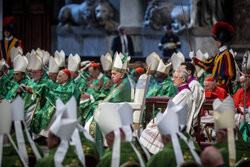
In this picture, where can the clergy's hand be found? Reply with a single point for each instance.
(28, 89)
(153, 125)
(85, 96)
(19, 90)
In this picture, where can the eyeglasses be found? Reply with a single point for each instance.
(176, 77)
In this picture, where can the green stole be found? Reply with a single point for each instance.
(12, 93)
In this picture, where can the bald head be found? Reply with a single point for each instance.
(211, 157)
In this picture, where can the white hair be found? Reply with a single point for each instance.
(183, 73)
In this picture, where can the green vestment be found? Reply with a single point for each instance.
(43, 115)
(98, 89)
(12, 93)
(10, 157)
(90, 150)
(127, 154)
(166, 157)
(6, 83)
(70, 159)
(166, 88)
(120, 93)
(81, 84)
(242, 151)
(152, 89)
(30, 152)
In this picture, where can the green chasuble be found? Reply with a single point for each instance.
(166, 88)
(99, 89)
(166, 157)
(152, 89)
(81, 83)
(120, 93)
(6, 83)
(31, 155)
(12, 93)
(10, 157)
(42, 115)
(242, 151)
(38, 88)
(70, 159)
(90, 151)
(84, 74)
(244, 130)
(127, 154)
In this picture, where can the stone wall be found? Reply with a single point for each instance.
(94, 42)
(241, 23)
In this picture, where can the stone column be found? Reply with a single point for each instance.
(131, 13)
(1, 19)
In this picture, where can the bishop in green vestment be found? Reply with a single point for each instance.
(20, 79)
(241, 148)
(64, 91)
(6, 77)
(121, 92)
(10, 157)
(166, 157)
(97, 89)
(70, 159)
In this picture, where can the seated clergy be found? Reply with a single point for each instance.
(6, 79)
(239, 95)
(106, 62)
(115, 122)
(137, 73)
(121, 92)
(43, 116)
(177, 148)
(36, 87)
(232, 150)
(196, 88)
(20, 65)
(212, 91)
(239, 103)
(150, 138)
(73, 66)
(61, 153)
(53, 69)
(152, 61)
(165, 87)
(97, 89)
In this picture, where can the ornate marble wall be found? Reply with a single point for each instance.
(200, 15)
